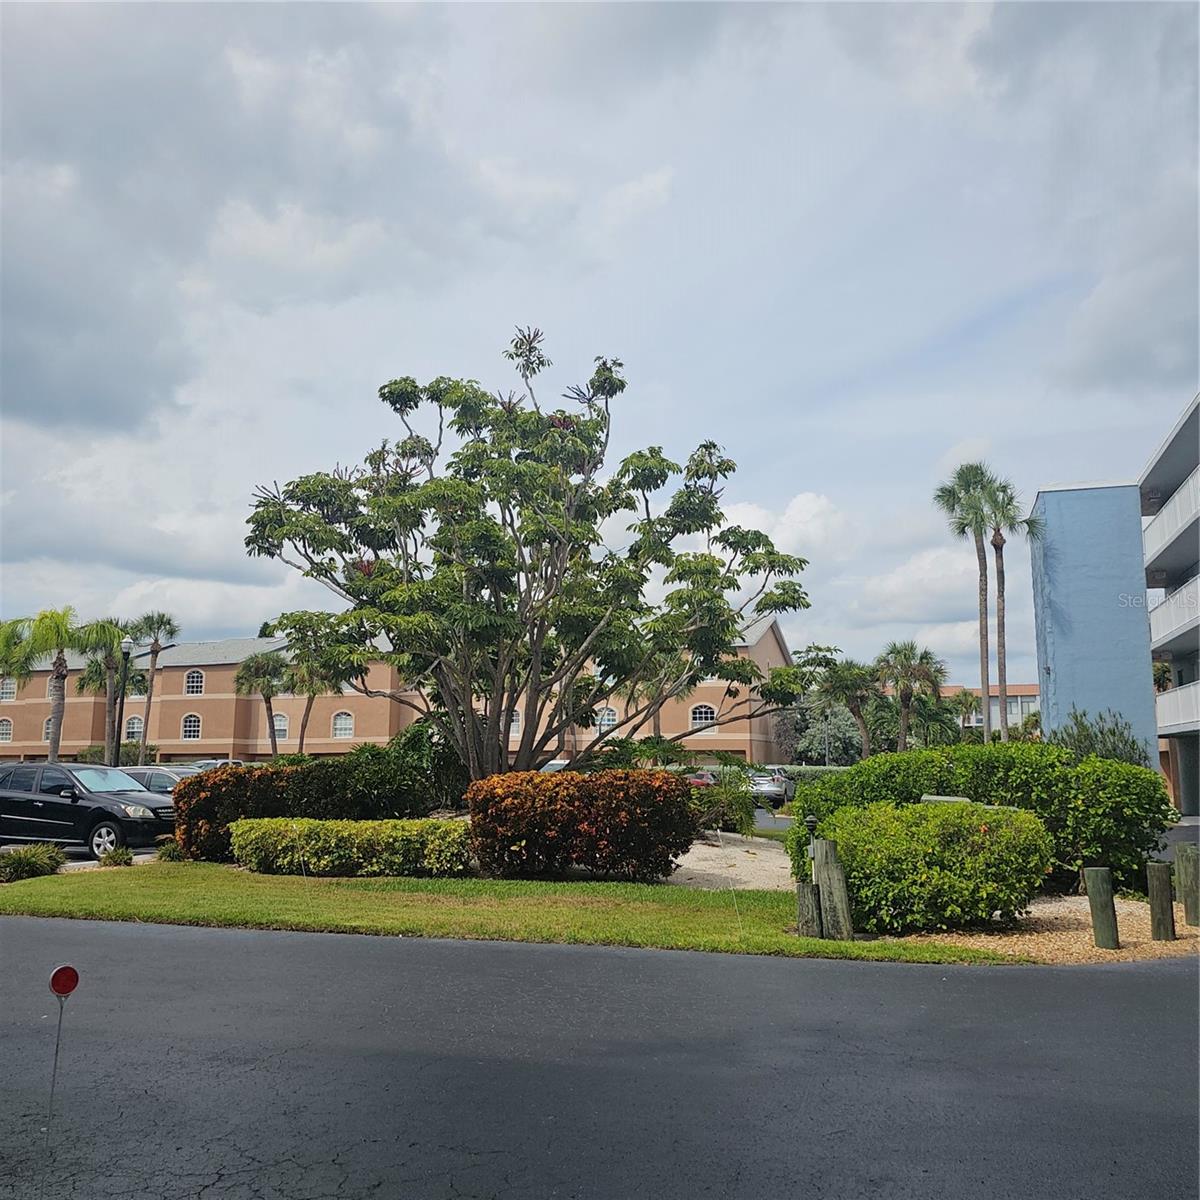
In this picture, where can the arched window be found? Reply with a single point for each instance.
(193, 683)
(606, 718)
(189, 729)
(8, 689)
(514, 726)
(133, 729)
(281, 727)
(343, 725)
(5, 730)
(46, 730)
(703, 714)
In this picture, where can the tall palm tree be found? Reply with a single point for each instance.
(263, 674)
(102, 640)
(934, 721)
(311, 677)
(51, 634)
(853, 685)
(16, 659)
(1004, 513)
(157, 628)
(965, 705)
(909, 670)
(963, 499)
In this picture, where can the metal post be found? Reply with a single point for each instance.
(126, 647)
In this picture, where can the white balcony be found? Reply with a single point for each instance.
(1170, 539)
(1178, 709)
(1175, 623)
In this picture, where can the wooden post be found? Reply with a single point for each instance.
(808, 909)
(1098, 881)
(1187, 881)
(1162, 910)
(835, 899)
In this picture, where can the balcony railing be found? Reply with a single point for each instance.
(1176, 613)
(1179, 709)
(1173, 518)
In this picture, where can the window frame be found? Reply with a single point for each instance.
(46, 730)
(603, 725)
(187, 682)
(183, 737)
(333, 733)
(281, 735)
(6, 727)
(141, 728)
(693, 723)
(7, 685)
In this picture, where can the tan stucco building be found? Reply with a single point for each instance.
(197, 714)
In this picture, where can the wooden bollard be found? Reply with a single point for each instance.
(808, 909)
(1098, 881)
(835, 899)
(1162, 908)
(1187, 881)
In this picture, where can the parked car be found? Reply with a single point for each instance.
(555, 764)
(162, 778)
(701, 778)
(203, 764)
(77, 804)
(772, 787)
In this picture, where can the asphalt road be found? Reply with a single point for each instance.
(227, 1064)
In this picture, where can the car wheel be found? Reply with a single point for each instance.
(108, 835)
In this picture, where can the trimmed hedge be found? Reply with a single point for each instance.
(407, 778)
(1098, 812)
(626, 823)
(300, 846)
(934, 866)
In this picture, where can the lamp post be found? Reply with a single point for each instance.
(126, 649)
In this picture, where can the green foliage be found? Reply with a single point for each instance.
(630, 824)
(301, 846)
(728, 804)
(1098, 812)
(934, 866)
(828, 727)
(169, 850)
(413, 775)
(118, 856)
(1109, 735)
(804, 773)
(128, 755)
(28, 862)
(474, 565)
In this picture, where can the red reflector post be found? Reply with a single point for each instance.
(64, 980)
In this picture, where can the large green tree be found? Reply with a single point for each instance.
(472, 556)
(909, 670)
(1005, 516)
(263, 674)
(964, 500)
(852, 685)
(158, 630)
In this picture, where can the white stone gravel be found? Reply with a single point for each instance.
(727, 860)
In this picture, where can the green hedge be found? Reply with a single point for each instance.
(299, 846)
(409, 777)
(28, 862)
(1098, 812)
(934, 866)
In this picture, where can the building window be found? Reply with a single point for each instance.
(193, 683)
(343, 725)
(5, 730)
(281, 727)
(190, 728)
(133, 729)
(703, 714)
(514, 725)
(46, 730)
(8, 689)
(606, 718)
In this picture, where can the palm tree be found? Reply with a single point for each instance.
(965, 704)
(16, 660)
(102, 640)
(1161, 671)
(933, 720)
(311, 677)
(909, 671)
(1003, 508)
(962, 499)
(851, 684)
(98, 679)
(156, 628)
(51, 634)
(263, 674)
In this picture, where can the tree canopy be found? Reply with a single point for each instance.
(515, 581)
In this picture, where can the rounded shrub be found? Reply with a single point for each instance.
(118, 856)
(630, 823)
(28, 862)
(936, 866)
(881, 779)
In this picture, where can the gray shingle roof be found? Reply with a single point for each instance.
(213, 654)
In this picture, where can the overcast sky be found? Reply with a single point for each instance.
(855, 245)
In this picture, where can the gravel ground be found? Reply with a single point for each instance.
(734, 862)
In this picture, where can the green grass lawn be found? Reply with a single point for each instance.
(616, 914)
(773, 835)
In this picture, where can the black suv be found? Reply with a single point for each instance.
(74, 804)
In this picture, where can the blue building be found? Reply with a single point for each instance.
(1089, 597)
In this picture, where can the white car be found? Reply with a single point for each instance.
(772, 787)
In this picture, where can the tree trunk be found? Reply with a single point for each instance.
(656, 722)
(308, 704)
(905, 710)
(58, 701)
(863, 732)
(112, 738)
(154, 649)
(271, 726)
(1001, 648)
(985, 695)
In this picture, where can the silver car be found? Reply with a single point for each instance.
(772, 788)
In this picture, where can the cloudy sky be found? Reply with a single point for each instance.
(855, 245)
